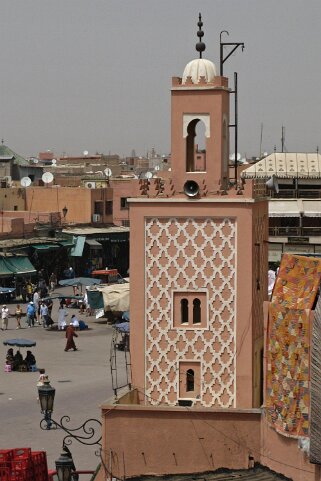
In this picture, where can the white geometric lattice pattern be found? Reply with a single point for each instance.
(190, 254)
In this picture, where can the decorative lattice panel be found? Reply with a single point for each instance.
(190, 254)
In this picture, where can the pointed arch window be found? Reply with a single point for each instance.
(190, 309)
(190, 380)
(196, 151)
(196, 311)
(184, 311)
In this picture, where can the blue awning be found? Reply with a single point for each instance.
(78, 248)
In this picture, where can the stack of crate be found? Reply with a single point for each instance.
(21, 464)
(5, 464)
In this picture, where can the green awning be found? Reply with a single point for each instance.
(66, 243)
(4, 269)
(15, 265)
(45, 247)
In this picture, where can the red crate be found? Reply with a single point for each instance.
(6, 456)
(22, 453)
(22, 464)
(18, 474)
(4, 474)
(39, 458)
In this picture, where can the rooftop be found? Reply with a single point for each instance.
(286, 165)
(95, 230)
(258, 473)
(8, 154)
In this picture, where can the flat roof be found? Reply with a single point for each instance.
(96, 230)
(258, 473)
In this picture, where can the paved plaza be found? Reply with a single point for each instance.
(82, 380)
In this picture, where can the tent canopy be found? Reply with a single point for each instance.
(80, 281)
(19, 342)
(15, 265)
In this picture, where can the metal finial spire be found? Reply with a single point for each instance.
(200, 46)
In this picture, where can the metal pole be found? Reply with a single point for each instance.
(236, 125)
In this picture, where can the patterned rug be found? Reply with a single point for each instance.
(288, 345)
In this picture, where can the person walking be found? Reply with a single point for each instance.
(36, 298)
(4, 317)
(62, 314)
(52, 281)
(18, 316)
(70, 334)
(30, 314)
(44, 314)
(29, 290)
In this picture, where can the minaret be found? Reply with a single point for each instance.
(200, 97)
(198, 263)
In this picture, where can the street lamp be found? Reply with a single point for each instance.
(64, 211)
(88, 433)
(64, 467)
(46, 394)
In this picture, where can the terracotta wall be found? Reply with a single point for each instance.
(15, 227)
(140, 441)
(79, 201)
(122, 188)
(242, 211)
(11, 198)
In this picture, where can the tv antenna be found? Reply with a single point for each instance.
(25, 182)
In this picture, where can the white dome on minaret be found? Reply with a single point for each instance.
(200, 67)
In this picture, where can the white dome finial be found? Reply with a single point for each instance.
(199, 67)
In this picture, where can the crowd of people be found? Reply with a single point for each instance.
(17, 362)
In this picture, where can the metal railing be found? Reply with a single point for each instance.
(294, 231)
(297, 194)
(89, 475)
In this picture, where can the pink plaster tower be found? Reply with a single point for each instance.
(198, 262)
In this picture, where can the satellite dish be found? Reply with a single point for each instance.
(25, 182)
(108, 172)
(54, 161)
(157, 167)
(238, 156)
(265, 154)
(148, 175)
(47, 177)
(85, 152)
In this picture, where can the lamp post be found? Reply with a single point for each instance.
(84, 434)
(46, 394)
(64, 467)
(64, 212)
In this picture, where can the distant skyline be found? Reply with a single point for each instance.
(95, 75)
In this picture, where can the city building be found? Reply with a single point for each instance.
(13, 167)
(220, 377)
(198, 281)
(295, 206)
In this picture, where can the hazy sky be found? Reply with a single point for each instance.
(96, 74)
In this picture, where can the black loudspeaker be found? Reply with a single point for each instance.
(191, 188)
